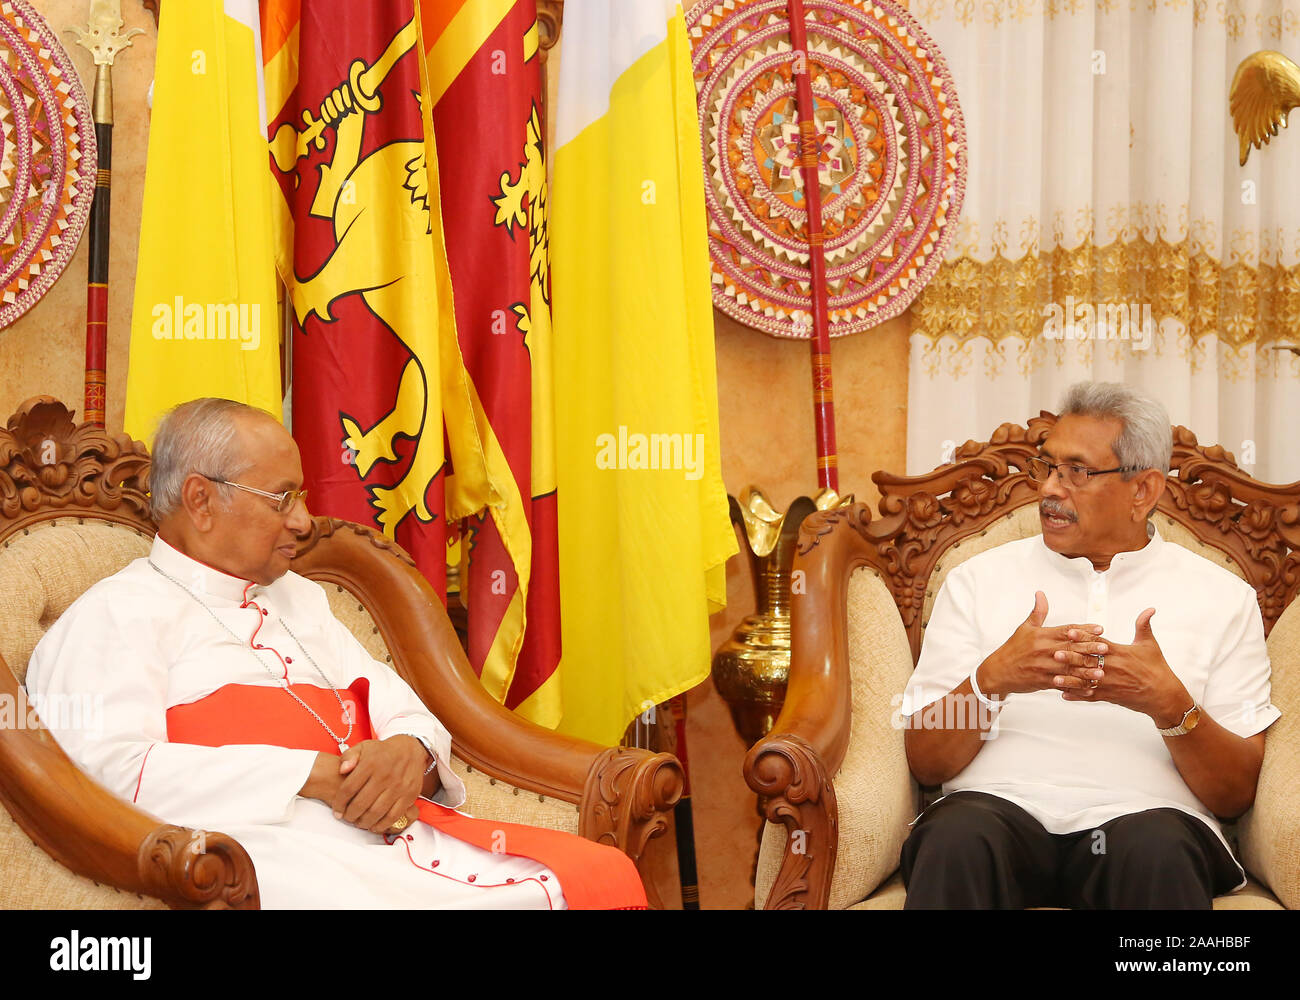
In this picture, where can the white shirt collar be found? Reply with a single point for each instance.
(198, 576)
(1127, 561)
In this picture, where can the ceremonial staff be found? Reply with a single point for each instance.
(828, 474)
(104, 39)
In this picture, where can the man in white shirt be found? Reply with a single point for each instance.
(233, 700)
(1090, 699)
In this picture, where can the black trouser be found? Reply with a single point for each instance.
(976, 851)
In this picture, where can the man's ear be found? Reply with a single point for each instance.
(200, 500)
(1150, 485)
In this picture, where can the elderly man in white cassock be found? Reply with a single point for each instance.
(233, 700)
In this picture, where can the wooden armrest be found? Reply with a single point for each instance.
(791, 768)
(94, 833)
(624, 794)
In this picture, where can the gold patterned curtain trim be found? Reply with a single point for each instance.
(1231, 14)
(1127, 223)
(951, 360)
(1239, 303)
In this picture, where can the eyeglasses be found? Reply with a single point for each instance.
(284, 502)
(1074, 476)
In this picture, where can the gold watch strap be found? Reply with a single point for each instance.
(1182, 729)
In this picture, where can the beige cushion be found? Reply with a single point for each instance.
(889, 896)
(44, 570)
(1269, 834)
(873, 788)
(1253, 896)
(486, 798)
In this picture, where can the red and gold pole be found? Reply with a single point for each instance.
(828, 475)
(104, 38)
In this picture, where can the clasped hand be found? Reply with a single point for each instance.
(1075, 660)
(374, 784)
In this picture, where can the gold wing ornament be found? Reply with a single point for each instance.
(1264, 89)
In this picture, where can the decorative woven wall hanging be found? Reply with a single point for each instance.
(47, 159)
(892, 159)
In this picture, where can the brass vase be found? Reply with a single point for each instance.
(751, 668)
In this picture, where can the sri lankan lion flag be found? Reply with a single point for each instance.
(356, 227)
(644, 533)
(485, 90)
(204, 319)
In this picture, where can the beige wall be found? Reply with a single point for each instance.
(764, 398)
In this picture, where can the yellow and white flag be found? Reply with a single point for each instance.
(205, 321)
(644, 530)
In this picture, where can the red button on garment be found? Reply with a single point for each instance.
(473, 877)
(543, 878)
(264, 611)
(510, 881)
(288, 659)
(433, 864)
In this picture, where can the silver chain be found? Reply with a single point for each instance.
(284, 681)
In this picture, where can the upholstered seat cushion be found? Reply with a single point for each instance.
(44, 570)
(1269, 834)
(873, 788)
(1252, 896)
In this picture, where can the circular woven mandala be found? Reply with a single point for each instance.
(892, 161)
(47, 159)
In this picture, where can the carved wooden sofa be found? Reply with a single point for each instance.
(74, 509)
(832, 775)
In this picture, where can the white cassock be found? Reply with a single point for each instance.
(145, 652)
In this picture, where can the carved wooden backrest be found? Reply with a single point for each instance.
(1254, 524)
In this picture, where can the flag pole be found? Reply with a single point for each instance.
(104, 38)
(823, 397)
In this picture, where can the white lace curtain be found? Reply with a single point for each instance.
(1107, 231)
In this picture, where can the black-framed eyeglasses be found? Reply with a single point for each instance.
(284, 502)
(1074, 476)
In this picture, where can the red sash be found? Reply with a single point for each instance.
(255, 713)
(593, 876)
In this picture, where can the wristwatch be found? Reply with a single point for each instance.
(1190, 718)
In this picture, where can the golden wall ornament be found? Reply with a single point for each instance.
(750, 668)
(1264, 89)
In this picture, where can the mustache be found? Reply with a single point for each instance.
(1054, 508)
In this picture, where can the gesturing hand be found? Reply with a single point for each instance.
(1138, 677)
(1062, 657)
(381, 781)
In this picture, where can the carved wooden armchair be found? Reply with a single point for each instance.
(832, 775)
(73, 509)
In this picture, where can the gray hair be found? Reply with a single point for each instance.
(198, 436)
(1145, 439)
